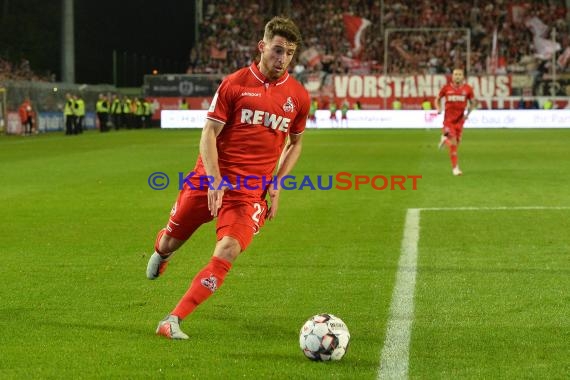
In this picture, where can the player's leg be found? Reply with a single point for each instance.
(164, 248)
(235, 229)
(449, 138)
(443, 140)
(452, 137)
(210, 278)
(456, 171)
(237, 222)
(458, 135)
(188, 213)
(204, 284)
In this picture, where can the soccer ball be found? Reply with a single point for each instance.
(324, 337)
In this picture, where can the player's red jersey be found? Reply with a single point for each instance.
(258, 116)
(456, 98)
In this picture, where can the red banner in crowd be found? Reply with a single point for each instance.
(354, 28)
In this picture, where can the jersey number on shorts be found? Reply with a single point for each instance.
(258, 210)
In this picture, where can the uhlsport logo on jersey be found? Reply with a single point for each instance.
(288, 106)
(258, 117)
(247, 93)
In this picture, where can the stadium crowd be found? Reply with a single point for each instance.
(21, 72)
(227, 32)
(228, 29)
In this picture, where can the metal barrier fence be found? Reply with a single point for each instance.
(50, 97)
(48, 100)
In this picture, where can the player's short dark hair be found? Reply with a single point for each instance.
(284, 27)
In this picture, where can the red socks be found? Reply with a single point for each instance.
(453, 155)
(206, 282)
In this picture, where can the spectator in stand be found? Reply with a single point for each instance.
(228, 30)
(21, 71)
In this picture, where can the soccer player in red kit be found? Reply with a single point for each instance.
(251, 139)
(457, 96)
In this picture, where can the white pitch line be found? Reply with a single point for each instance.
(394, 361)
(395, 354)
(507, 208)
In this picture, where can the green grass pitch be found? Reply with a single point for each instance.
(492, 291)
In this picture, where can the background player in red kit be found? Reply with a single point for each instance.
(253, 126)
(457, 94)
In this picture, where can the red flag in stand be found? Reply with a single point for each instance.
(354, 27)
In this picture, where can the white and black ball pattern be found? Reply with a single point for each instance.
(324, 337)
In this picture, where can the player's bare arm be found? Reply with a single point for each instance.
(209, 153)
(287, 162)
(437, 104)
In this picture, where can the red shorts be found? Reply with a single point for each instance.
(239, 217)
(453, 131)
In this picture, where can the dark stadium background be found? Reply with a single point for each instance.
(145, 35)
